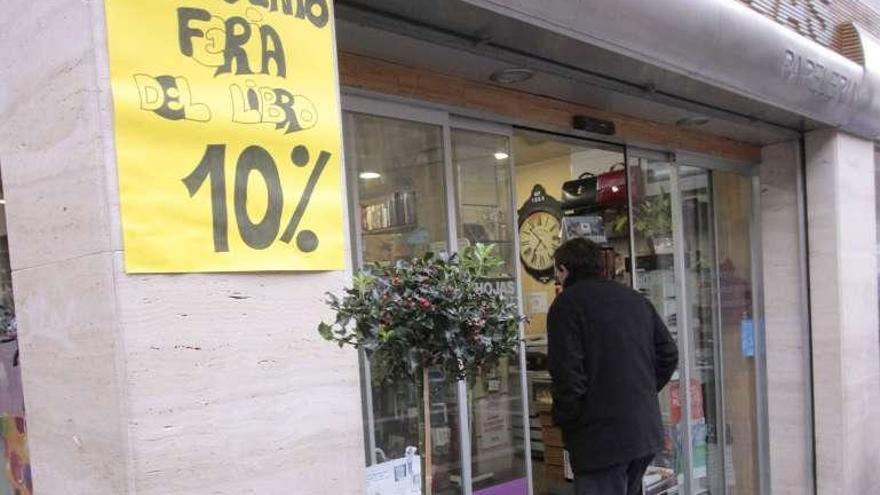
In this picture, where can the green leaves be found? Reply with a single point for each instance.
(653, 216)
(325, 330)
(427, 312)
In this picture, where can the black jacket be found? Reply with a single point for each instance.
(609, 356)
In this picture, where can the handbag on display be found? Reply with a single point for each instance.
(611, 186)
(580, 192)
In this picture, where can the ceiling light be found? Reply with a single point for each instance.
(501, 155)
(512, 75)
(692, 121)
(370, 175)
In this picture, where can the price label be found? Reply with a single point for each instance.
(228, 134)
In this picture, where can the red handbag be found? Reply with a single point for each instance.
(611, 186)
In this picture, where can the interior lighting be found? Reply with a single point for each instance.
(370, 175)
(501, 155)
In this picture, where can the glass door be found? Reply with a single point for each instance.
(693, 229)
(700, 308)
(655, 276)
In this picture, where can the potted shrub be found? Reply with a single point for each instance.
(426, 313)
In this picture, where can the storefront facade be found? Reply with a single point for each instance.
(741, 149)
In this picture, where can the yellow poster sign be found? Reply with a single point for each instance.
(228, 134)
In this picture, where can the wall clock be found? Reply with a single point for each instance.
(540, 233)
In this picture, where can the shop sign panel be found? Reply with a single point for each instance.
(228, 134)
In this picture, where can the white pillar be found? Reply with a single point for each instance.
(843, 295)
(192, 384)
(788, 375)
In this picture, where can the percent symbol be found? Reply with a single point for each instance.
(306, 240)
(260, 234)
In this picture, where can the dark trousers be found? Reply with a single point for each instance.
(622, 479)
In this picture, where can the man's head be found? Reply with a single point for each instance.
(578, 259)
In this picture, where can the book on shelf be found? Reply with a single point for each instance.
(397, 210)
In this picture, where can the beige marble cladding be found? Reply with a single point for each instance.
(230, 384)
(153, 384)
(789, 410)
(842, 233)
(69, 354)
(54, 182)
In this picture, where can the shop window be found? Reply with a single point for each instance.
(400, 210)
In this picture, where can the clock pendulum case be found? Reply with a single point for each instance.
(540, 233)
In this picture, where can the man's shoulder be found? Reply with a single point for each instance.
(597, 291)
(593, 286)
(564, 301)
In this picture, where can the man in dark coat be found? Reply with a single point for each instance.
(609, 356)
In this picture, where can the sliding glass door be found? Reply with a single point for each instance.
(693, 231)
(655, 276)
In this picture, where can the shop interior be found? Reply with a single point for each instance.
(523, 192)
(714, 257)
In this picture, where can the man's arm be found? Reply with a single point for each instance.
(566, 363)
(665, 351)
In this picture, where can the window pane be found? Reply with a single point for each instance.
(701, 304)
(716, 222)
(651, 215)
(733, 211)
(400, 207)
(398, 166)
(482, 168)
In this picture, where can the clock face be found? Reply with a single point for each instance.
(539, 238)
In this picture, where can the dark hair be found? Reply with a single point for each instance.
(582, 258)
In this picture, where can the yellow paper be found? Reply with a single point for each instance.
(241, 96)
